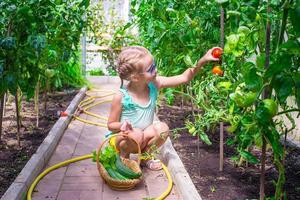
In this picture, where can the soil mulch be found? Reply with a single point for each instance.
(234, 183)
(12, 157)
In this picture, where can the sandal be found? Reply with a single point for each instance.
(154, 165)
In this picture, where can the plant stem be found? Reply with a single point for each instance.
(287, 111)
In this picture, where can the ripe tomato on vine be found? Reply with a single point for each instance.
(217, 70)
(217, 52)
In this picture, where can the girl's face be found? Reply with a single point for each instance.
(149, 70)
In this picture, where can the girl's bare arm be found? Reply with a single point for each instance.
(187, 75)
(114, 123)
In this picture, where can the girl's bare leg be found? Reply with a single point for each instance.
(150, 139)
(155, 136)
(127, 145)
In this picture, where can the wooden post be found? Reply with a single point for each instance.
(221, 146)
(262, 173)
(4, 103)
(18, 118)
(1, 113)
(221, 123)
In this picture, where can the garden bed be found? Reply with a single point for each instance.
(14, 158)
(234, 182)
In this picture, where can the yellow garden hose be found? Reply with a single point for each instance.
(84, 106)
(54, 167)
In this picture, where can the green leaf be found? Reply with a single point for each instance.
(205, 138)
(282, 63)
(94, 156)
(283, 86)
(221, 1)
(260, 61)
(233, 13)
(253, 81)
(248, 156)
(169, 94)
(291, 47)
(224, 84)
(273, 138)
(230, 141)
(296, 78)
(295, 18)
(188, 61)
(85, 3)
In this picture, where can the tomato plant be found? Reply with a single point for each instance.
(39, 46)
(262, 65)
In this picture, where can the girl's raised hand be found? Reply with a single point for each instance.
(209, 55)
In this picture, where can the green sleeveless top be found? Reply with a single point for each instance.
(139, 116)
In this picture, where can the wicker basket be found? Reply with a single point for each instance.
(133, 165)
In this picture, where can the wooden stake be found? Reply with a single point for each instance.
(1, 113)
(221, 146)
(221, 164)
(36, 102)
(262, 173)
(18, 118)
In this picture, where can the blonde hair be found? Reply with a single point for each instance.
(129, 61)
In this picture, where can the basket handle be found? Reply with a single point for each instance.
(115, 135)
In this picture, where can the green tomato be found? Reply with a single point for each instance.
(233, 40)
(225, 84)
(249, 99)
(271, 106)
(237, 98)
(242, 99)
(257, 17)
(265, 110)
(243, 29)
(49, 73)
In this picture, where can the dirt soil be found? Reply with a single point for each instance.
(234, 183)
(12, 157)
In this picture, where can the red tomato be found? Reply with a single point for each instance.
(217, 52)
(217, 70)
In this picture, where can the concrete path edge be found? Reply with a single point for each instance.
(181, 178)
(37, 162)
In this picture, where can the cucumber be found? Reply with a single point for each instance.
(115, 174)
(120, 176)
(112, 173)
(124, 170)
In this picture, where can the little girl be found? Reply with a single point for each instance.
(133, 106)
